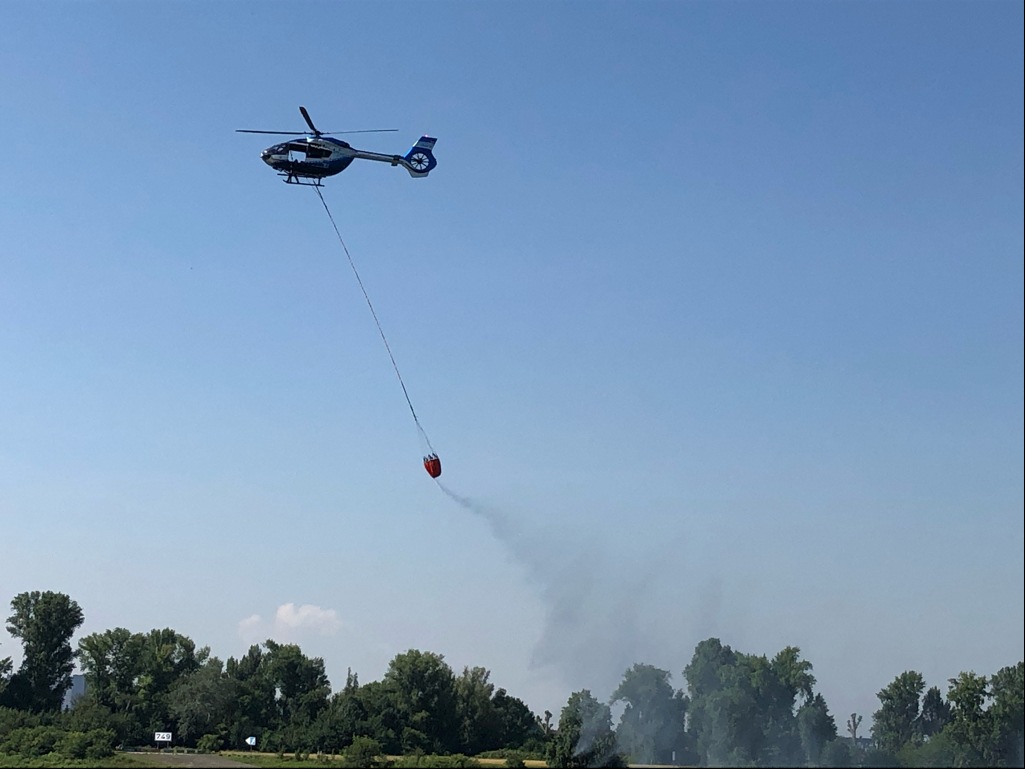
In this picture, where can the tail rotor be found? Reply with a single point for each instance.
(420, 161)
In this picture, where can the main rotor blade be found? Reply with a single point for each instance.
(316, 132)
(306, 117)
(278, 133)
(364, 131)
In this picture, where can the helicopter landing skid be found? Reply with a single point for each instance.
(302, 181)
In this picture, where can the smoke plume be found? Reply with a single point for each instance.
(594, 600)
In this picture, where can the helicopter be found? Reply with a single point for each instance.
(308, 160)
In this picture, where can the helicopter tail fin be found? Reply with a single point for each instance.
(420, 161)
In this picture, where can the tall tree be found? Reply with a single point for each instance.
(705, 675)
(200, 702)
(585, 736)
(970, 726)
(896, 723)
(423, 687)
(651, 728)
(742, 706)
(475, 712)
(794, 673)
(301, 682)
(45, 623)
(782, 685)
(1007, 713)
(344, 718)
(165, 657)
(704, 672)
(935, 712)
(737, 729)
(255, 709)
(817, 729)
(112, 663)
(385, 719)
(518, 727)
(278, 695)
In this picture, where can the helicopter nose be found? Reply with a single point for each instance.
(266, 155)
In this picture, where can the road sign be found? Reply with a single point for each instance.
(251, 741)
(161, 737)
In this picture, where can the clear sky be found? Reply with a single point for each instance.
(713, 311)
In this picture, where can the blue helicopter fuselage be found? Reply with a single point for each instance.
(310, 157)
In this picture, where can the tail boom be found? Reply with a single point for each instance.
(419, 161)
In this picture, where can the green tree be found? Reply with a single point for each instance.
(479, 728)
(87, 715)
(165, 657)
(651, 728)
(935, 712)
(735, 732)
(255, 709)
(1007, 715)
(518, 727)
(838, 753)
(112, 663)
(896, 723)
(423, 687)
(742, 707)
(200, 702)
(279, 697)
(817, 729)
(384, 719)
(776, 684)
(343, 719)
(301, 682)
(45, 623)
(704, 672)
(794, 673)
(970, 726)
(938, 750)
(585, 736)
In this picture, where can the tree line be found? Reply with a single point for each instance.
(737, 710)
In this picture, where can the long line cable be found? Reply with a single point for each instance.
(380, 330)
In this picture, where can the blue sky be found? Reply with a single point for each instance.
(713, 311)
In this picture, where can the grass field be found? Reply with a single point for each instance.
(272, 761)
(117, 761)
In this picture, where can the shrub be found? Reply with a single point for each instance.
(73, 744)
(432, 761)
(209, 743)
(11, 719)
(513, 754)
(31, 741)
(100, 743)
(364, 751)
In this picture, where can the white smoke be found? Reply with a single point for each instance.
(594, 602)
